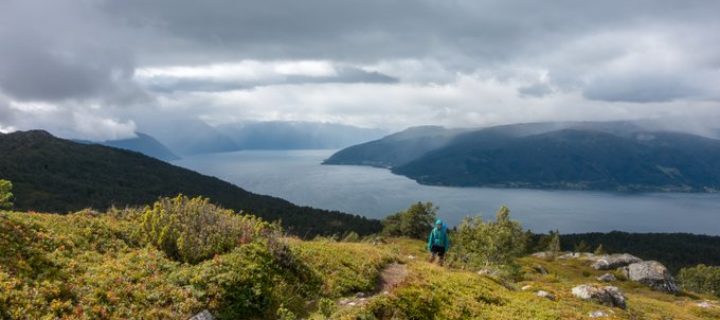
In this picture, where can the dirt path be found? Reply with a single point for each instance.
(392, 275)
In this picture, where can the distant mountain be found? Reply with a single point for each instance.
(286, 135)
(189, 136)
(56, 175)
(602, 156)
(395, 149)
(144, 144)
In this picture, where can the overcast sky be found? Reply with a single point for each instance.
(100, 69)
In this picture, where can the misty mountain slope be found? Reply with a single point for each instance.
(56, 175)
(285, 135)
(400, 148)
(189, 136)
(395, 149)
(144, 144)
(573, 159)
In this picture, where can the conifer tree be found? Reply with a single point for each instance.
(554, 245)
(600, 250)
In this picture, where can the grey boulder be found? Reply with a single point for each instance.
(653, 274)
(606, 277)
(609, 296)
(614, 261)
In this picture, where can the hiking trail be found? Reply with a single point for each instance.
(392, 275)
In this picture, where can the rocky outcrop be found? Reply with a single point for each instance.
(653, 274)
(614, 261)
(609, 296)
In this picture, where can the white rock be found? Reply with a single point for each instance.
(598, 314)
(613, 261)
(545, 294)
(609, 296)
(705, 304)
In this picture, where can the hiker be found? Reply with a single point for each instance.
(438, 242)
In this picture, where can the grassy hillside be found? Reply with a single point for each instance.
(97, 266)
(55, 175)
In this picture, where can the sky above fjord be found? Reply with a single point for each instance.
(101, 69)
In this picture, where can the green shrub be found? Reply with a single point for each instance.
(251, 282)
(6, 195)
(415, 222)
(193, 230)
(701, 278)
(351, 236)
(482, 244)
(326, 307)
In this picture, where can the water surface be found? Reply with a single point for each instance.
(299, 177)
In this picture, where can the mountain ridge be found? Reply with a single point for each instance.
(617, 156)
(56, 175)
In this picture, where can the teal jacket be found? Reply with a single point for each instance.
(439, 237)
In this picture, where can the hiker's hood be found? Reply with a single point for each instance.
(439, 222)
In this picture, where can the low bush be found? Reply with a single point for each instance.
(193, 230)
(701, 278)
(480, 244)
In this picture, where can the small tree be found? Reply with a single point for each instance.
(554, 245)
(581, 247)
(6, 195)
(600, 250)
(415, 222)
(482, 244)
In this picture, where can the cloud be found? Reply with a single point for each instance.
(535, 90)
(376, 63)
(250, 74)
(63, 50)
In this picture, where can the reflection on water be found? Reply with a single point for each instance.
(299, 177)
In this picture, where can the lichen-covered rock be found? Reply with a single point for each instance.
(653, 274)
(609, 296)
(613, 261)
(204, 315)
(606, 277)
